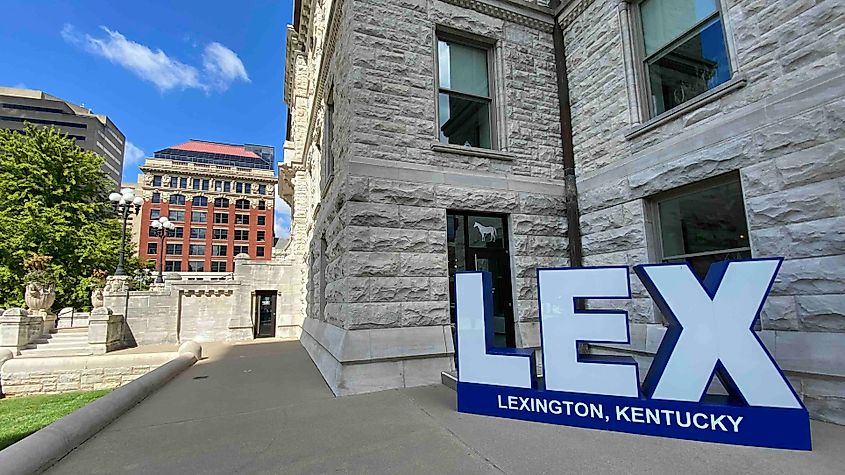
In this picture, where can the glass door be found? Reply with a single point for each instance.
(265, 322)
(478, 242)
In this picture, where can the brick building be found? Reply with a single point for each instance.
(219, 196)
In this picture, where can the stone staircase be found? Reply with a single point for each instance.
(65, 342)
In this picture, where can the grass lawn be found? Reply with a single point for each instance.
(21, 416)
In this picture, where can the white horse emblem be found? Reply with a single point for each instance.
(486, 231)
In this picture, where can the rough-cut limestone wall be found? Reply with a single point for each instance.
(783, 132)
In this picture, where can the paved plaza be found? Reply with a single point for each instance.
(264, 408)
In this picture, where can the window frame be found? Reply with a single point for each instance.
(642, 83)
(450, 35)
(656, 253)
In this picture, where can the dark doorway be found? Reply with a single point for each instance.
(479, 242)
(265, 314)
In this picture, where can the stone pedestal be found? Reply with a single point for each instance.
(104, 330)
(14, 330)
(46, 320)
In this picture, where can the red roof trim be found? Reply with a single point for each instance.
(214, 147)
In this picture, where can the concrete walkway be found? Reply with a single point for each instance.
(263, 408)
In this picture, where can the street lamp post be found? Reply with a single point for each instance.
(123, 203)
(163, 229)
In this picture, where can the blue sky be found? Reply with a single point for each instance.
(163, 71)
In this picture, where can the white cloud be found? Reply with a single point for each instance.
(281, 219)
(221, 66)
(132, 157)
(132, 154)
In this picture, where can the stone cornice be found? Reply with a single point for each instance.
(525, 14)
(211, 171)
(571, 11)
(294, 49)
(323, 71)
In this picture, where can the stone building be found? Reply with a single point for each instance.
(429, 136)
(718, 132)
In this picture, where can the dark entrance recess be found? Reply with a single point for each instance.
(479, 242)
(265, 314)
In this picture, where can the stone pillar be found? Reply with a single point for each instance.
(104, 330)
(14, 330)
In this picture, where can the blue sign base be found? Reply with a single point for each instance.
(722, 423)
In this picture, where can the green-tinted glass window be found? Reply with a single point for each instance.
(685, 51)
(464, 100)
(705, 226)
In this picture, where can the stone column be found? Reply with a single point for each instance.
(104, 330)
(14, 330)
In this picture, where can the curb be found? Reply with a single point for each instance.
(44, 448)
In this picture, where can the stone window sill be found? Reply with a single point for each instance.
(472, 151)
(738, 82)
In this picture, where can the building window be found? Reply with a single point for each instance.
(183, 183)
(241, 235)
(465, 105)
(196, 266)
(247, 188)
(174, 182)
(156, 198)
(684, 50)
(152, 248)
(221, 218)
(259, 236)
(173, 266)
(174, 249)
(155, 213)
(689, 230)
(227, 186)
(262, 220)
(262, 205)
(151, 232)
(259, 251)
(241, 250)
(176, 216)
(239, 187)
(198, 233)
(262, 189)
(196, 184)
(328, 137)
(179, 232)
(196, 249)
(199, 201)
(156, 180)
(324, 246)
(218, 266)
(220, 234)
(242, 204)
(178, 200)
(241, 219)
(218, 185)
(221, 203)
(219, 250)
(199, 217)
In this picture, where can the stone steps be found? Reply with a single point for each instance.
(47, 353)
(65, 342)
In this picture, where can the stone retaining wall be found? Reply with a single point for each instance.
(27, 376)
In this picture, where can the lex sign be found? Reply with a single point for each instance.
(710, 333)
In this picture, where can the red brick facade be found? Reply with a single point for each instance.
(216, 195)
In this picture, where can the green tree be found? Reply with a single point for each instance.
(53, 201)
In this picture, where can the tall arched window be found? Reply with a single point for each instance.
(221, 203)
(242, 204)
(199, 201)
(178, 200)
